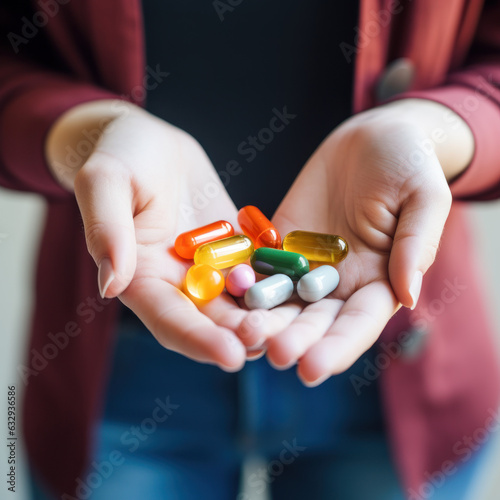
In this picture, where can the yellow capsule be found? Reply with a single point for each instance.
(225, 253)
(317, 247)
(204, 282)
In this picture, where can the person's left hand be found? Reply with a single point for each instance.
(371, 184)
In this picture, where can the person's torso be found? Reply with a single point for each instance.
(259, 85)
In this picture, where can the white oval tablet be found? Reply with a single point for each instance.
(269, 292)
(318, 283)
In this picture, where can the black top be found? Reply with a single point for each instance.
(259, 84)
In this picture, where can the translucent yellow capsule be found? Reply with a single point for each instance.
(204, 282)
(317, 247)
(225, 253)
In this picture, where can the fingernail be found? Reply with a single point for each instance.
(257, 345)
(283, 368)
(415, 287)
(231, 369)
(235, 350)
(314, 383)
(286, 366)
(105, 276)
(255, 355)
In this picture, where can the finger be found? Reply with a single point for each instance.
(179, 326)
(224, 311)
(357, 327)
(104, 196)
(420, 225)
(284, 349)
(260, 324)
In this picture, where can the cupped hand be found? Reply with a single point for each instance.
(371, 183)
(144, 183)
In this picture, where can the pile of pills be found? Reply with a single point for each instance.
(215, 247)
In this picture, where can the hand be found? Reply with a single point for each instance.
(145, 182)
(365, 184)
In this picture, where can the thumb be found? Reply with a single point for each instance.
(104, 195)
(416, 241)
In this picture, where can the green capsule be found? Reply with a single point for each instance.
(273, 261)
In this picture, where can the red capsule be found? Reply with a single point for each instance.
(187, 243)
(258, 228)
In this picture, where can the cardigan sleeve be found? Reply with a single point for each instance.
(473, 92)
(32, 97)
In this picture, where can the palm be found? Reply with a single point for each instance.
(168, 200)
(155, 292)
(160, 272)
(340, 192)
(150, 182)
(146, 182)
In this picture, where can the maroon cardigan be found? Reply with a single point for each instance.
(94, 49)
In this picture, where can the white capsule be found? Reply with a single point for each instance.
(269, 292)
(318, 283)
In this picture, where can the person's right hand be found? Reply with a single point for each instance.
(144, 183)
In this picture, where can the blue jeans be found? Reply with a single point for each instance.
(176, 429)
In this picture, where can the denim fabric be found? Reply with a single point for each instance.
(176, 429)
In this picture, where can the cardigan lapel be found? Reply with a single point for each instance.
(415, 30)
(466, 31)
(430, 41)
(375, 21)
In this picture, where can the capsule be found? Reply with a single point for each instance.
(317, 247)
(318, 283)
(269, 292)
(258, 228)
(204, 282)
(239, 280)
(225, 253)
(187, 243)
(272, 261)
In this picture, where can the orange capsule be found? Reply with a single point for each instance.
(204, 282)
(258, 228)
(187, 243)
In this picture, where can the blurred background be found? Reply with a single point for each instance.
(21, 220)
